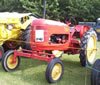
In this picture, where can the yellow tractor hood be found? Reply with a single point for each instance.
(12, 17)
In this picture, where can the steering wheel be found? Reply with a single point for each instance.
(70, 21)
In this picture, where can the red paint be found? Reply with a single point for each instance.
(0, 53)
(33, 54)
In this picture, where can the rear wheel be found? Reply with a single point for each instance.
(26, 38)
(88, 48)
(54, 71)
(7, 63)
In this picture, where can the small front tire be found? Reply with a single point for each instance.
(7, 61)
(54, 71)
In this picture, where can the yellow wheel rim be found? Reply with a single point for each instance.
(57, 53)
(56, 72)
(91, 49)
(9, 62)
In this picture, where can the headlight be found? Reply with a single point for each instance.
(39, 35)
(9, 27)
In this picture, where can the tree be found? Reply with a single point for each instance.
(96, 9)
(32, 6)
(10, 6)
(84, 10)
(81, 10)
(36, 7)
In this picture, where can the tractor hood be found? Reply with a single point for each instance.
(51, 22)
(48, 22)
(13, 15)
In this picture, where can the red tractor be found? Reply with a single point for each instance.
(47, 40)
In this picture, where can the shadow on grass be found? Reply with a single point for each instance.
(30, 63)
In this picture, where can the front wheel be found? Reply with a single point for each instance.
(7, 63)
(54, 71)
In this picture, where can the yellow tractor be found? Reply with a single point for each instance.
(11, 27)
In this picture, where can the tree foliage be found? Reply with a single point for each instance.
(84, 10)
(10, 6)
(81, 10)
(36, 7)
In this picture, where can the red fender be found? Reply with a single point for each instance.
(83, 30)
(80, 29)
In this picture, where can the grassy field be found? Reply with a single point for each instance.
(32, 72)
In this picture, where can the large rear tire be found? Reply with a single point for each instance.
(88, 48)
(26, 39)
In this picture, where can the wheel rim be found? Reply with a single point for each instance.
(91, 49)
(9, 62)
(56, 72)
(57, 53)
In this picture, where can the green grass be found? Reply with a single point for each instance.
(32, 72)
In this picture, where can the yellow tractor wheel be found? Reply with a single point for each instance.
(54, 71)
(88, 48)
(7, 63)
